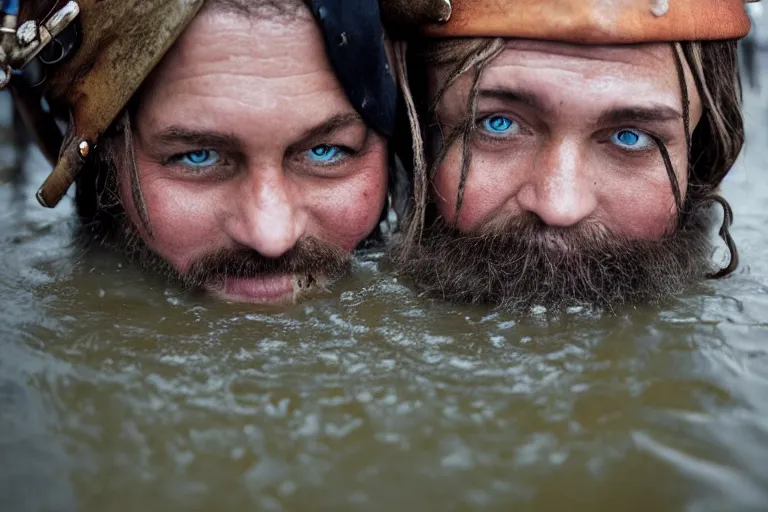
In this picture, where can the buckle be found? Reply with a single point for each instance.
(20, 45)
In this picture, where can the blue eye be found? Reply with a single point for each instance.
(325, 154)
(201, 158)
(631, 139)
(500, 125)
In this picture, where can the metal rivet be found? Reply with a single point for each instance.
(85, 148)
(28, 33)
(41, 199)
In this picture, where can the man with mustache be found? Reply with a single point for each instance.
(572, 150)
(250, 161)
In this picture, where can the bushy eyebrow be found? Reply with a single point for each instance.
(640, 114)
(177, 135)
(523, 96)
(329, 126)
(652, 113)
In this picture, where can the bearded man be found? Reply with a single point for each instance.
(250, 162)
(573, 149)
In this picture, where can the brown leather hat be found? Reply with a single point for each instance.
(596, 21)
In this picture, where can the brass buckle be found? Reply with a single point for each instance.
(20, 45)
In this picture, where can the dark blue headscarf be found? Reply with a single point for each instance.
(354, 40)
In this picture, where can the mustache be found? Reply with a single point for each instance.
(585, 237)
(309, 258)
(520, 262)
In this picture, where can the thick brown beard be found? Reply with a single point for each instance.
(521, 262)
(312, 261)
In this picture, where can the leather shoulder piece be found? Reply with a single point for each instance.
(596, 21)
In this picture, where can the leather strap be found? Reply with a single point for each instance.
(596, 21)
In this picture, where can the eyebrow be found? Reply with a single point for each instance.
(324, 129)
(638, 113)
(649, 114)
(523, 96)
(194, 138)
(331, 125)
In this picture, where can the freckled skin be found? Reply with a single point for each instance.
(561, 168)
(264, 82)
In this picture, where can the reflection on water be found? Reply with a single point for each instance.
(119, 394)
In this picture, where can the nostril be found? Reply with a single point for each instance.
(557, 209)
(269, 235)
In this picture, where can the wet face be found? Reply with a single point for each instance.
(565, 133)
(257, 174)
(567, 198)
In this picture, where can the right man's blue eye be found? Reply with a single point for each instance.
(500, 125)
(631, 140)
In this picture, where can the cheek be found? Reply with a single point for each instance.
(641, 204)
(641, 209)
(182, 216)
(445, 185)
(345, 211)
(487, 189)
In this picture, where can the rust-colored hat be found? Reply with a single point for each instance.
(596, 21)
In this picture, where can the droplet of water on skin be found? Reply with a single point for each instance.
(660, 7)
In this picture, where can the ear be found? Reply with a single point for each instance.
(411, 13)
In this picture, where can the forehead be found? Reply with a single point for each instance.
(223, 39)
(590, 77)
(609, 64)
(244, 67)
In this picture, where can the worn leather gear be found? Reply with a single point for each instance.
(121, 42)
(595, 21)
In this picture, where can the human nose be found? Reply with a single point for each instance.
(269, 218)
(558, 189)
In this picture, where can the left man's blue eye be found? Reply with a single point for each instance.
(325, 154)
(631, 139)
(499, 126)
(201, 158)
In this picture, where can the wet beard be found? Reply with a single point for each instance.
(521, 262)
(312, 263)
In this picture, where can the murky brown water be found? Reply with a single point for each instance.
(117, 394)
